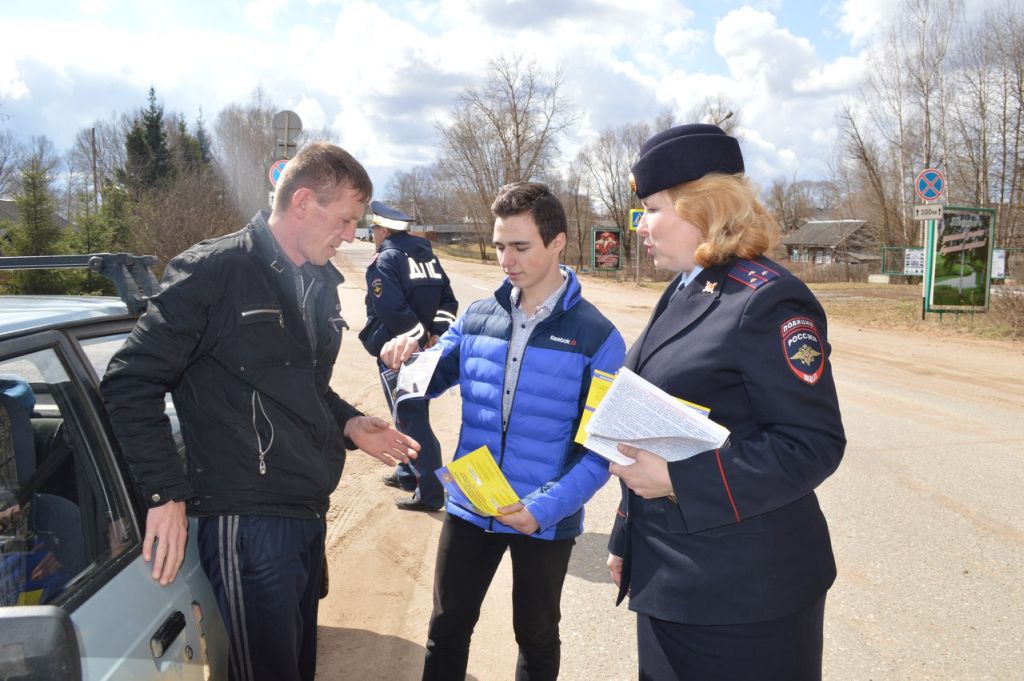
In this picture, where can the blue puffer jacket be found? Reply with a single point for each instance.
(553, 476)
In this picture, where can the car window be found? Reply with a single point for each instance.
(62, 516)
(100, 349)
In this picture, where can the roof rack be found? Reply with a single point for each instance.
(130, 274)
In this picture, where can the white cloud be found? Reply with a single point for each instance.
(760, 53)
(311, 113)
(862, 19)
(264, 14)
(381, 74)
(96, 7)
(841, 75)
(11, 84)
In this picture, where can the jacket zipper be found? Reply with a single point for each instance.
(280, 316)
(263, 451)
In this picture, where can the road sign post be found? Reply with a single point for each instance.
(634, 221)
(929, 185)
(287, 126)
(276, 168)
(929, 211)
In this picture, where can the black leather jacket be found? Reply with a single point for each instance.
(226, 336)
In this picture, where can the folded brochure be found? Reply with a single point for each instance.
(475, 482)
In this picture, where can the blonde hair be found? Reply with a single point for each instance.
(726, 211)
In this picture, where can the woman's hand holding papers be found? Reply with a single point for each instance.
(648, 477)
(518, 518)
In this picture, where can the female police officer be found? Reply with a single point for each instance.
(726, 555)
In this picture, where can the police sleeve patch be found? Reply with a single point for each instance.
(802, 348)
(377, 286)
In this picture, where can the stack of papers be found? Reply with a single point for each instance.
(629, 409)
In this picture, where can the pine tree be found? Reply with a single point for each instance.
(148, 164)
(203, 137)
(37, 231)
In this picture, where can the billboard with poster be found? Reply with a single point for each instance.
(607, 249)
(961, 260)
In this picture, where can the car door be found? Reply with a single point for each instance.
(70, 529)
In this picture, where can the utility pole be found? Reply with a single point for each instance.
(95, 173)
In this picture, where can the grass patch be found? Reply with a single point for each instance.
(899, 306)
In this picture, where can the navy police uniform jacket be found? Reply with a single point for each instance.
(746, 541)
(407, 293)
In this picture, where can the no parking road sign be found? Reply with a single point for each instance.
(930, 184)
(276, 168)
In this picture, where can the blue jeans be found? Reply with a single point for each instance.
(266, 574)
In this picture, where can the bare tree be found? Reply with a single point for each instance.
(420, 193)
(607, 161)
(195, 206)
(718, 110)
(245, 146)
(875, 179)
(504, 131)
(10, 157)
(905, 104)
(791, 202)
(570, 188)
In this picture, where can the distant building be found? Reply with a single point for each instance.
(451, 233)
(8, 212)
(824, 242)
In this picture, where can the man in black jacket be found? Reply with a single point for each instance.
(244, 334)
(408, 295)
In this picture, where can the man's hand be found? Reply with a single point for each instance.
(648, 477)
(380, 440)
(167, 527)
(397, 350)
(615, 567)
(518, 518)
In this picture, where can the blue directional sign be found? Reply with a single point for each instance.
(276, 168)
(930, 184)
(634, 218)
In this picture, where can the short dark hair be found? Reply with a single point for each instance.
(537, 200)
(323, 168)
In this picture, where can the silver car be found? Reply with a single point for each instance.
(76, 599)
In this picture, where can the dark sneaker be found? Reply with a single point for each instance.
(414, 504)
(392, 481)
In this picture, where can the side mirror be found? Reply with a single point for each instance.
(38, 643)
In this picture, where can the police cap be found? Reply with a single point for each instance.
(388, 217)
(682, 154)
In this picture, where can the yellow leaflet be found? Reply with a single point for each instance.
(599, 385)
(483, 483)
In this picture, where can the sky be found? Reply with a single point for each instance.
(380, 74)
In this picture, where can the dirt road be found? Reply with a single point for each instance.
(925, 511)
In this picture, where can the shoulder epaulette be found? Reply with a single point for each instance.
(752, 274)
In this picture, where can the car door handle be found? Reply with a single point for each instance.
(165, 635)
